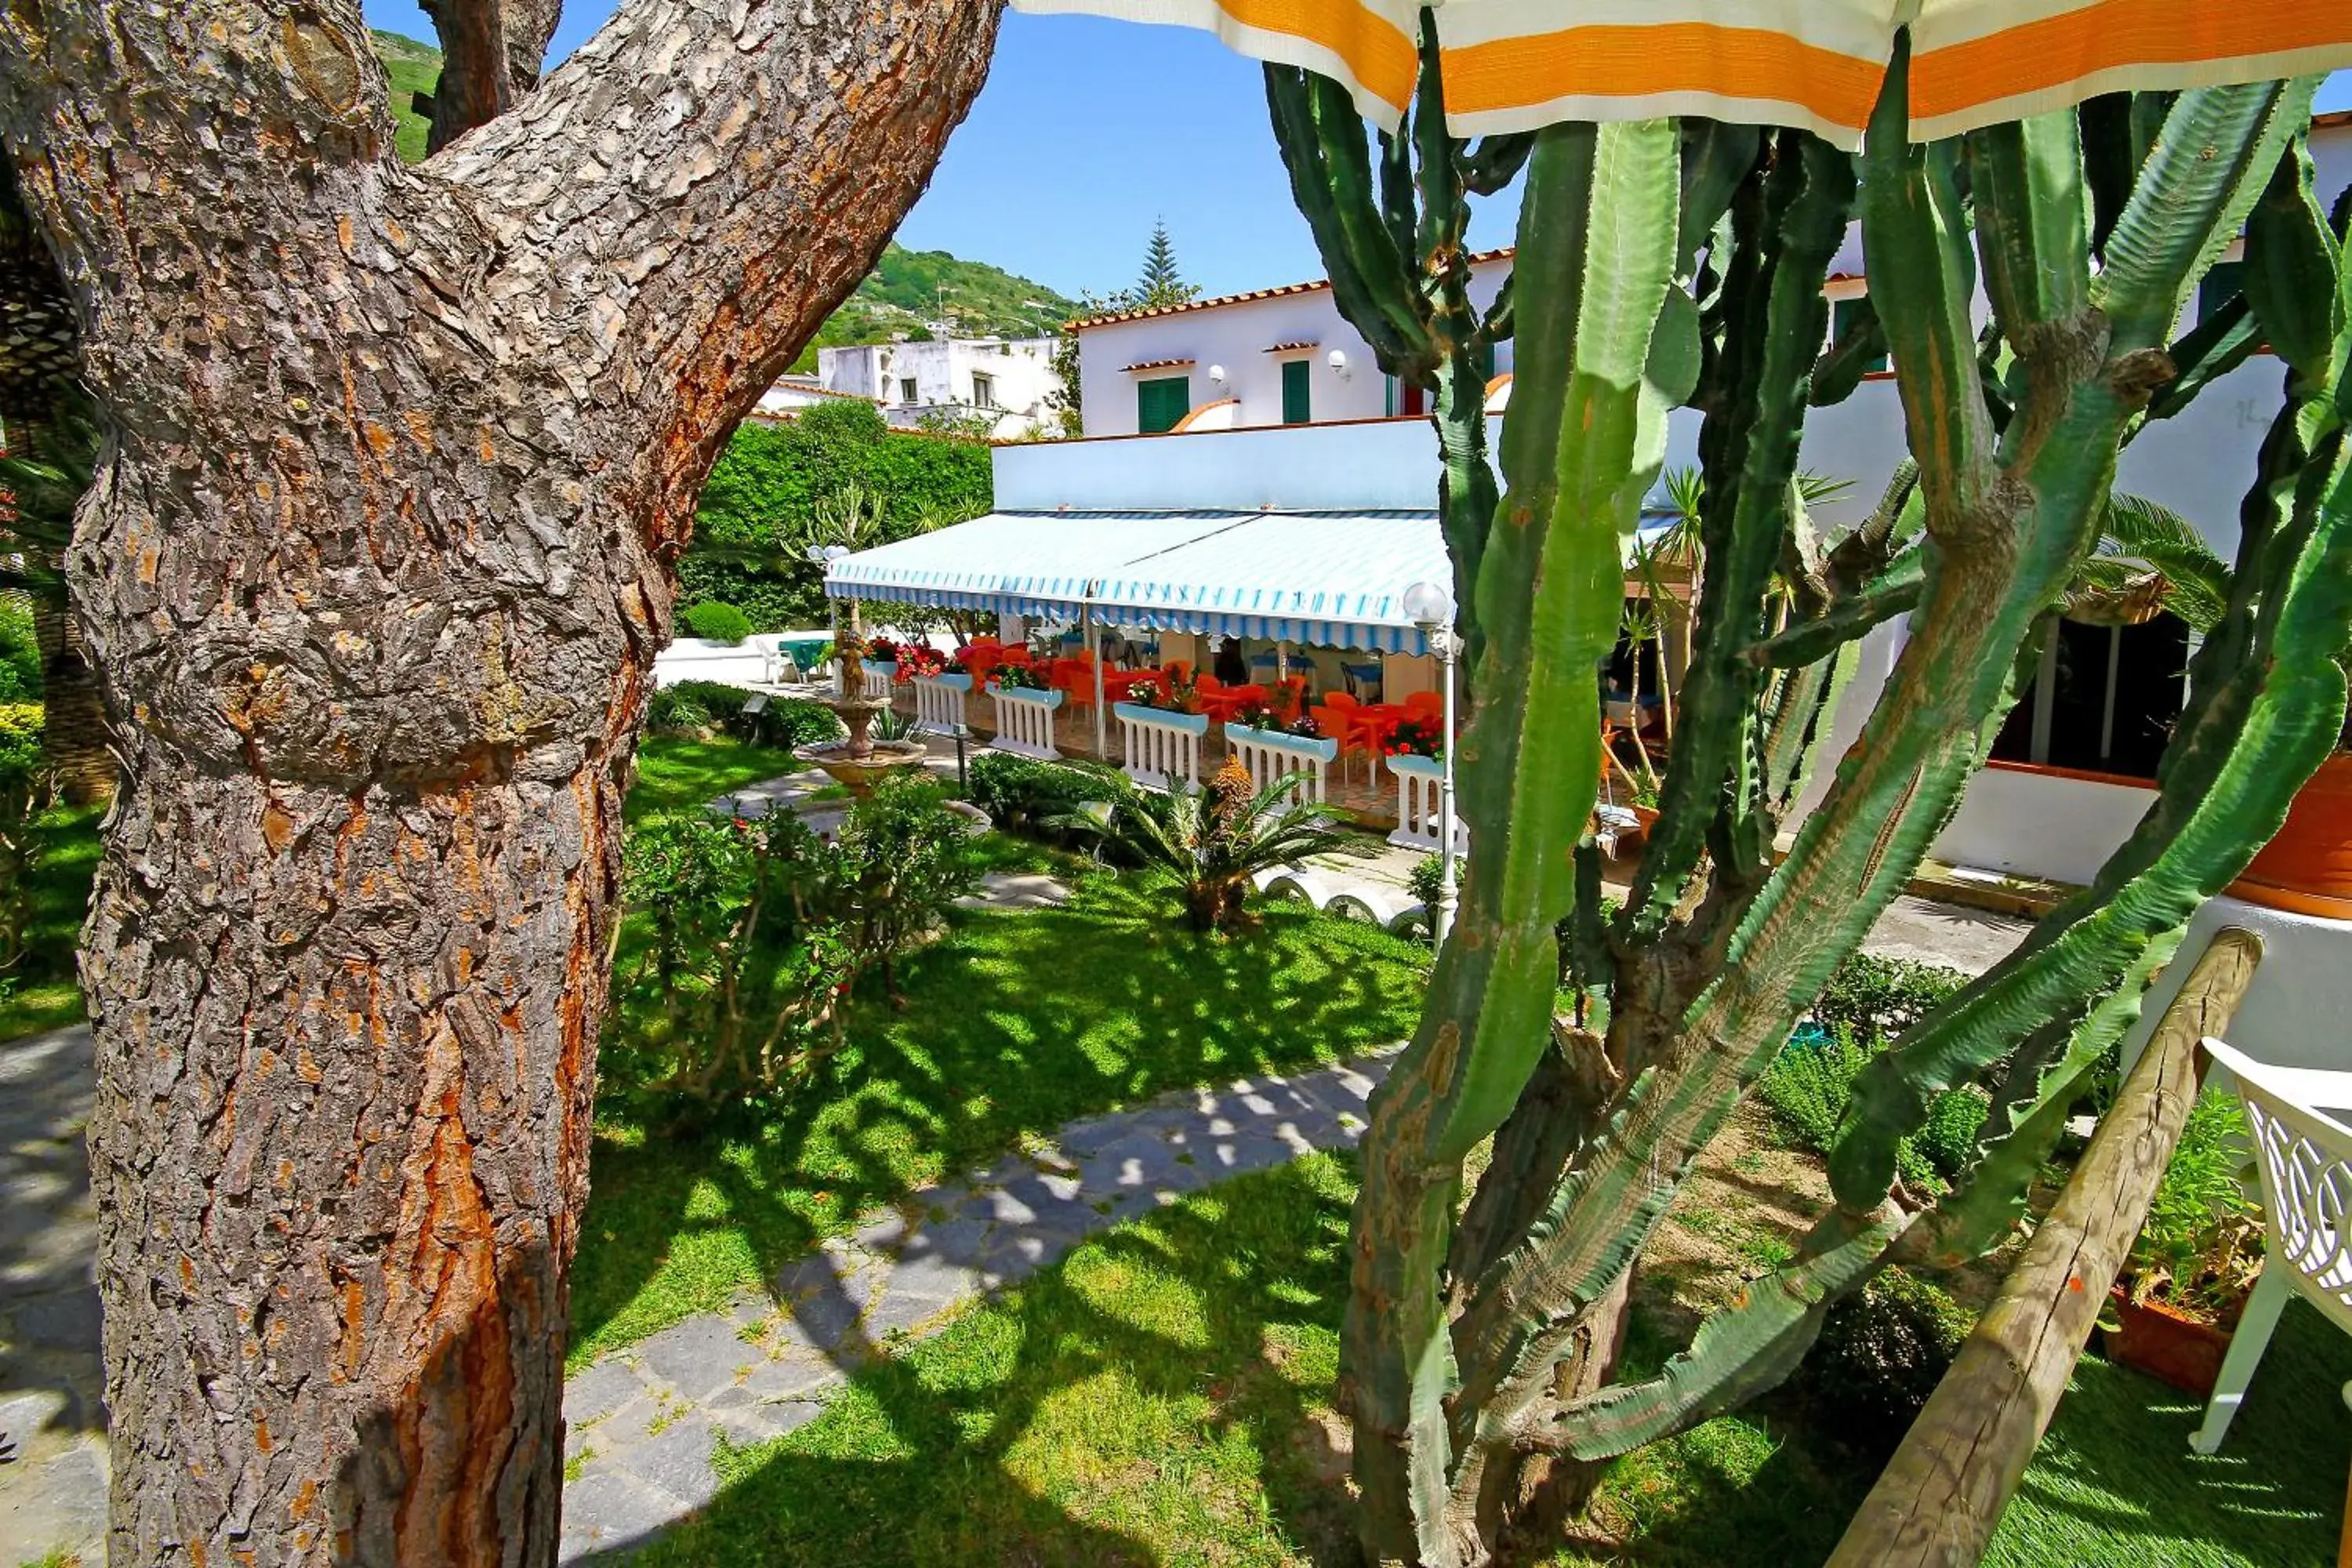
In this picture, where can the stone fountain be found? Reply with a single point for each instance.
(860, 761)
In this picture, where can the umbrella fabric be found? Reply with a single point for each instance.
(1515, 65)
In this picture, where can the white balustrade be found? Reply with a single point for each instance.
(1267, 755)
(879, 677)
(1024, 721)
(1160, 746)
(1420, 781)
(938, 702)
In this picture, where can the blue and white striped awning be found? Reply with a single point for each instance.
(1017, 563)
(1328, 579)
(1322, 579)
(1317, 578)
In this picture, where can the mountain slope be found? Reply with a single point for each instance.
(907, 289)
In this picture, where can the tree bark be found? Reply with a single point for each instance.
(491, 51)
(375, 566)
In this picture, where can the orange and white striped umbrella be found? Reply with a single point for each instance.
(1515, 65)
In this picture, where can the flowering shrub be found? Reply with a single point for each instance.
(1019, 677)
(883, 650)
(1183, 689)
(1418, 736)
(919, 660)
(1272, 721)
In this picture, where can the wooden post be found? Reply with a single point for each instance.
(1942, 1494)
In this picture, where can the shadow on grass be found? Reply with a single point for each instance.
(1158, 1395)
(2114, 1479)
(1014, 1025)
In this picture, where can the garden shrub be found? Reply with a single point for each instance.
(797, 721)
(1881, 1354)
(1878, 998)
(2200, 1246)
(717, 621)
(1810, 1083)
(20, 652)
(1948, 1140)
(693, 705)
(24, 792)
(1034, 797)
(750, 934)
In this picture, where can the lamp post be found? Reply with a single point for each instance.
(1430, 608)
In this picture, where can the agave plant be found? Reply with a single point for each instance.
(1665, 264)
(1214, 839)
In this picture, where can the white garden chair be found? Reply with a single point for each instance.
(2302, 1144)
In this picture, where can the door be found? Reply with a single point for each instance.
(1161, 403)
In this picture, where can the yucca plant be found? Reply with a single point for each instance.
(1663, 265)
(1213, 839)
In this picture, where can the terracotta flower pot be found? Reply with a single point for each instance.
(2165, 1345)
(2307, 868)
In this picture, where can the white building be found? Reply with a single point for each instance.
(790, 393)
(1007, 379)
(1273, 357)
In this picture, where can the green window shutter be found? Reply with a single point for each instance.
(1842, 315)
(1297, 405)
(1161, 403)
(2213, 290)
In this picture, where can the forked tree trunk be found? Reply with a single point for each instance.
(375, 566)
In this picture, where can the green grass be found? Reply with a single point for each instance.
(2115, 1481)
(1162, 1395)
(45, 993)
(411, 67)
(674, 770)
(1014, 1024)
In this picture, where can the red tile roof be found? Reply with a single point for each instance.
(1112, 318)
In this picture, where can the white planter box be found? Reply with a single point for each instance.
(938, 702)
(1267, 754)
(1160, 745)
(1420, 783)
(1024, 721)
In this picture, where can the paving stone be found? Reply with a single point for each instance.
(676, 1459)
(605, 1510)
(697, 1357)
(784, 1379)
(600, 1390)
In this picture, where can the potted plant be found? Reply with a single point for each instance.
(918, 659)
(1018, 677)
(2186, 1282)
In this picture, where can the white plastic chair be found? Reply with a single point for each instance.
(2305, 1153)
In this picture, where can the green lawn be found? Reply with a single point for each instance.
(1013, 1024)
(1162, 1396)
(46, 995)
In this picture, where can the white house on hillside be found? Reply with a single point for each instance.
(1006, 378)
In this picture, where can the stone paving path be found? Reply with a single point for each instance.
(53, 1494)
(644, 1421)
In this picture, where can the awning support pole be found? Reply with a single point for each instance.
(1094, 657)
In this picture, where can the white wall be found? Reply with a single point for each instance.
(1021, 371)
(1389, 464)
(1235, 337)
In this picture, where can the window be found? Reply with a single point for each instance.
(1161, 403)
(1405, 397)
(1297, 405)
(2214, 289)
(2104, 700)
(983, 390)
(1841, 315)
(906, 393)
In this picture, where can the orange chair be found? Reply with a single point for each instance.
(1338, 717)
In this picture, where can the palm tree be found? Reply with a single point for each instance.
(1215, 838)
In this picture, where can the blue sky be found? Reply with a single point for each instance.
(1087, 131)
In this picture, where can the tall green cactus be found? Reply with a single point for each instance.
(1394, 242)
(1659, 264)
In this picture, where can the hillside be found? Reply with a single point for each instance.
(413, 67)
(906, 288)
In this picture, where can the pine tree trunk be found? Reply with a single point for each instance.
(377, 566)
